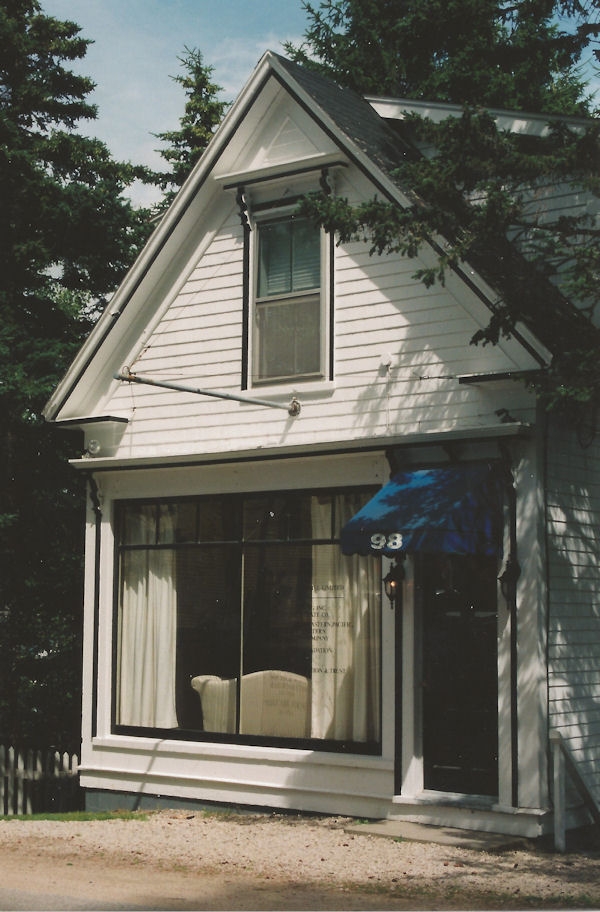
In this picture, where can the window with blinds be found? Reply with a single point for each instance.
(288, 314)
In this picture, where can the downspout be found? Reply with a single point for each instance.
(246, 227)
(545, 443)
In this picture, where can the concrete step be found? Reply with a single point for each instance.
(450, 836)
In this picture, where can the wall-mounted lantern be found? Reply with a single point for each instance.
(393, 583)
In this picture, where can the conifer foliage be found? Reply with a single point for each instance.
(67, 234)
(203, 112)
(519, 55)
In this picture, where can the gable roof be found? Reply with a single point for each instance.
(362, 135)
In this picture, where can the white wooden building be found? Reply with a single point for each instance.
(239, 645)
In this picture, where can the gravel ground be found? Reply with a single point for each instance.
(270, 861)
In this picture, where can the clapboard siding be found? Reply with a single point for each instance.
(546, 201)
(550, 202)
(573, 512)
(576, 624)
(196, 342)
(561, 675)
(587, 730)
(380, 309)
(168, 415)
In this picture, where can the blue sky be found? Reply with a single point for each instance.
(136, 48)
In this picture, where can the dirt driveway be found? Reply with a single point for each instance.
(191, 860)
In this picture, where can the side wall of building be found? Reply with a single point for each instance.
(573, 509)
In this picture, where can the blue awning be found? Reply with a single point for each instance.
(455, 509)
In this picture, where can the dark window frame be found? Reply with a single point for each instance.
(292, 302)
(264, 214)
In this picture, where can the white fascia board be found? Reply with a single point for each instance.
(81, 423)
(511, 121)
(472, 434)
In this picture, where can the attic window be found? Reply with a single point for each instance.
(288, 313)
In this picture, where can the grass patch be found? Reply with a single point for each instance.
(76, 816)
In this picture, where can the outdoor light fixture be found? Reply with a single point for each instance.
(508, 579)
(393, 583)
(93, 447)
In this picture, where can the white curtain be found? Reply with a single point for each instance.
(346, 629)
(147, 639)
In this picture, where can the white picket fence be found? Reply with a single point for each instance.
(38, 780)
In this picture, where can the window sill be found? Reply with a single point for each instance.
(116, 743)
(303, 390)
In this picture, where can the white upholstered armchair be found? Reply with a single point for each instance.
(275, 703)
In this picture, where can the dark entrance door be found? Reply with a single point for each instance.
(460, 673)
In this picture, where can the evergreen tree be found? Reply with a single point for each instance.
(476, 191)
(202, 114)
(480, 52)
(67, 235)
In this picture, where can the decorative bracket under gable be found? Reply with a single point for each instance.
(243, 209)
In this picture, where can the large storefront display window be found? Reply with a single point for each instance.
(239, 619)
